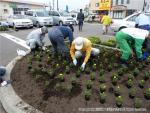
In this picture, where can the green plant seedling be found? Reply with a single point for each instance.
(73, 81)
(117, 90)
(109, 67)
(47, 83)
(101, 72)
(147, 75)
(132, 92)
(138, 103)
(102, 97)
(89, 84)
(70, 88)
(61, 77)
(141, 83)
(102, 88)
(147, 93)
(87, 70)
(136, 72)
(67, 70)
(119, 101)
(120, 72)
(115, 80)
(129, 83)
(87, 95)
(102, 79)
(93, 76)
(130, 76)
(29, 66)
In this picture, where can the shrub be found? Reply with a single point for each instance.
(119, 101)
(136, 72)
(102, 97)
(138, 103)
(102, 79)
(93, 76)
(3, 28)
(117, 90)
(94, 39)
(147, 93)
(129, 83)
(132, 92)
(102, 88)
(89, 84)
(141, 83)
(87, 95)
(61, 77)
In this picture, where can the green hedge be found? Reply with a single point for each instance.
(3, 28)
(95, 39)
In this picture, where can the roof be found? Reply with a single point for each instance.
(24, 2)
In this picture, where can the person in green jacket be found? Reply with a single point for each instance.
(128, 37)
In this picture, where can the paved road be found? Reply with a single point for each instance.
(8, 48)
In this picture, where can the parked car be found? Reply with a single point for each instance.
(19, 21)
(4, 24)
(74, 16)
(39, 17)
(61, 18)
(129, 21)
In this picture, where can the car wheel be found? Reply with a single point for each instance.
(38, 24)
(60, 23)
(122, 28)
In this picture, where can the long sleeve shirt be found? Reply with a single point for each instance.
(87, 48)
(66, 32)
(136, 33)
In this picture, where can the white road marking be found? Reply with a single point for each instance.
(15, 39)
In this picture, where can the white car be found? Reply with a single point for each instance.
(19, 21)
(129, 21)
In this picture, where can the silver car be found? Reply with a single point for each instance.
(39, 18)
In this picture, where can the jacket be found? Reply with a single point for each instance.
(87, 48)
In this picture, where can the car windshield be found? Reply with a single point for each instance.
(18, 17)
(64, 14)
(42, 14)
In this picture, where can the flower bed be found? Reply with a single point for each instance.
(55, 85)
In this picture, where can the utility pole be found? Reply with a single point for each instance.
(53, 4)
(57, 5)
(144, 5)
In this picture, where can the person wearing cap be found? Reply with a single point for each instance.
(57, 35)
(82, 46)
(128, 37)
(35, 39)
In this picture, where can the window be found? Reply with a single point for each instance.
(128, 1)
(132, 18)
(29, 13)
(97, 4)
(122, 1)
(116, 2)
(5, 11)
(55, 13)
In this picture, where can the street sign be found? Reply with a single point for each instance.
(105, 4)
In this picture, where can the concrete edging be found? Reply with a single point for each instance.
(11, 102)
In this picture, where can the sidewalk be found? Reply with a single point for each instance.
(2, 109)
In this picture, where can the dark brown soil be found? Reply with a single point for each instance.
(47, 93)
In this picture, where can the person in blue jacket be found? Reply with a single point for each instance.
(57, 35)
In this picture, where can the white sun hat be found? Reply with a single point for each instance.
(79, 43)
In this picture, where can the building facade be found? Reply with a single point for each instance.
(11, 7)
(121, 8)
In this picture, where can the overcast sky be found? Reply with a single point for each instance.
(73, 4)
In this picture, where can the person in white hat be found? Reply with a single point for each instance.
(82, 46)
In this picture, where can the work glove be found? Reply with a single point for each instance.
(75, 62)
(83, 66)
(145, 55)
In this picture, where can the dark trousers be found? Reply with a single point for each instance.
(57, 40)
(80, 25)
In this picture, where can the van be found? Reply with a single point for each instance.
(61, 18)
(39, 18)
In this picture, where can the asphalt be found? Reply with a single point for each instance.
(8, 48)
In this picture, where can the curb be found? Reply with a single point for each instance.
(11, 102)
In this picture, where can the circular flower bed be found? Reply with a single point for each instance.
(54, 85)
